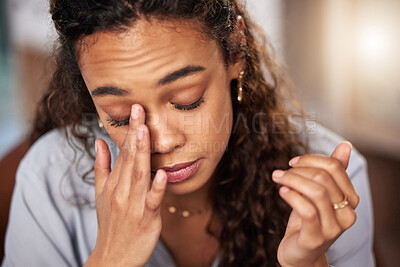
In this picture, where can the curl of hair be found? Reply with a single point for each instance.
(245, 199)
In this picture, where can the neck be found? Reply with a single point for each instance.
(198, 199)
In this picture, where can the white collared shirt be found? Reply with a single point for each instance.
(45, 229)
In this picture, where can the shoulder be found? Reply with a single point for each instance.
(59, 160)
(49, 148)
(52, 150)
(52, 204)
(60, 147)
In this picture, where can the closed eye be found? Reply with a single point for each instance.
(116, 123)
(191, 106)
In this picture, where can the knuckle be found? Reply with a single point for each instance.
(99, 173)
(351, 218)
(348, 220)
(320, 192)
(134, 215)
(322, 177)
(356, 200)
(314, 243)
(97, 169)
(138, 173)
(151, 205)
(334, 165)
(116, 202)
(133, 124)
(141, 146)
(310, 214)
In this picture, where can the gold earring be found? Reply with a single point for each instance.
(240, 87)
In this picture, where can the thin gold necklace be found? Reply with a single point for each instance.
(185, 213)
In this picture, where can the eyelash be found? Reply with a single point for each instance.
(192, 106)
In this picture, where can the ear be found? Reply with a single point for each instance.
(238, 39)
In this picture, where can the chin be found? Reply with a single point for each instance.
(191, 185)
(182, 189)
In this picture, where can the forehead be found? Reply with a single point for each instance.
(145, 32)
(155, 47)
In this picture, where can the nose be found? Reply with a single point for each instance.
(165, 135)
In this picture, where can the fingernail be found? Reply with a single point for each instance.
(135, 112)
(293, 161)
(159, 178)
(347, 142)
(95, 145)
(140, 132)
(278, 174)
(284, 189)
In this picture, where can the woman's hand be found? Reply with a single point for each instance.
(128, 214)
(311, 187)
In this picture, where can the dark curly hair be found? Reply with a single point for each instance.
(246, 200)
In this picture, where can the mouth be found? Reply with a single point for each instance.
(179, 172)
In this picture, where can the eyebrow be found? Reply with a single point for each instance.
(176, 75)
(186, 71)
(109, 90)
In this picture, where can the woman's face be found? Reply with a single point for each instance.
(180, 79)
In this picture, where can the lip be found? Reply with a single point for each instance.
(179, 172)
(175, 167)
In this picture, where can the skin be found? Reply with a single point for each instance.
(310, 187)
(129, 205)
(135, 61)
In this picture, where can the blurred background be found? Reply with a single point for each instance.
(343, 56)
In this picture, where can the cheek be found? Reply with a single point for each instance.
(222, 113)
(223, 118)
(216, 123)
(117, 134)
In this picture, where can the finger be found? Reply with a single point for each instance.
(345, 216)
(334, 168)
(141, 173)
(318, 196)
(102, 167)
(128, 152)
(342, 153)
(112, 179)
(311, 227)
(323, 178)
(136, 118)
(155, 195)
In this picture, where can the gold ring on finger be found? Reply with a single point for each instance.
(342, 204)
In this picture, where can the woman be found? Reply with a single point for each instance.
(189, 163)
